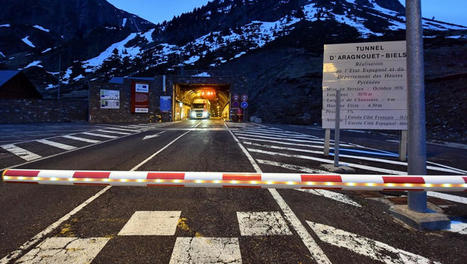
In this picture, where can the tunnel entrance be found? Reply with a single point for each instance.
(201, 101)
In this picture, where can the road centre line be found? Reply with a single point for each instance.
(26, 246)
(20, 152)
(364, 167)
(81, 139)
(393, 162)
(314, 249)
(56, 144)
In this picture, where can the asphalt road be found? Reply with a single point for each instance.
(82, 224)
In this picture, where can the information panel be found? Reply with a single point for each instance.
(140, 97)
(165, 104)
(110, 99)
(372, 80)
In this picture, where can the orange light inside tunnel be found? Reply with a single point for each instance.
(208, 93)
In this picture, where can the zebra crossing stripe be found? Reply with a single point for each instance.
(20, 152)
(56, 144)
(98, 135)
(122, 129)
(114, 132)
(82, 139)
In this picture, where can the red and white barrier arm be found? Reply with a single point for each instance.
(448, 183)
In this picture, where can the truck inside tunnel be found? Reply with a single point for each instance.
(201, 101)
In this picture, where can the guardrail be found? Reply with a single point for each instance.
(353, 182)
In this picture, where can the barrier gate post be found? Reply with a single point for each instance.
(417, 201)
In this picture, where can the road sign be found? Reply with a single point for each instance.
(235, 104)
(244, 105)
(244, 98)
(372, 79)
(165, 103)
(235, 97)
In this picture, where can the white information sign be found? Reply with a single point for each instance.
(142, 88)
(372, 79)
(110, 99)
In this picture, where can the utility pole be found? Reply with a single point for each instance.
(417, 201)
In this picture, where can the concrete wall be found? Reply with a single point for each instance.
(38, 110)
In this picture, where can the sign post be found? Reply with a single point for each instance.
(337, 131)
(417, 201)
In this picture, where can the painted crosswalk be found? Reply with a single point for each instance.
(211, 249)
(32, 150)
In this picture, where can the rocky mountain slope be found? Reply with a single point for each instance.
(277, 44)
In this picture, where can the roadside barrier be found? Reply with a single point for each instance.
(353, 182)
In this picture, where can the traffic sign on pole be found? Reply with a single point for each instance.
(244, 98)
(244, 105)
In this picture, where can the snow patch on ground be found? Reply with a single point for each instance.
(28, 42)
(34, 64)
(46, 50)
(5, 25)
(41, 28)
(3, 55)
(79, 77)
(124, 21)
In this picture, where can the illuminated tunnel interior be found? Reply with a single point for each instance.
(188, 99)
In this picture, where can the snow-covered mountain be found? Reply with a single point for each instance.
(225, 30)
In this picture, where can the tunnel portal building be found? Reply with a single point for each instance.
(160, 98)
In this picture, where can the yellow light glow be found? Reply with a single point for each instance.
(106, 180)
(428, 185)
(408, 185)
(217, 181)
(159, 180)
(87, 180)
(234, 182)
(329, 183)
(6, 177)
(370, 184)
(270, 182)
(140, 180)
(21, 178)
(198, 181)
(290, 183)
(54, 179)
(71, 179)
(351, 184)
(310, 183)
(123, 180)
(447, 185)
(390, 184)
(254, 182)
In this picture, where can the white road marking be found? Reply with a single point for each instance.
(332, 195)
(458, 227)
(20, 152)
(291, 166)
(449, 197)
(56, 144)
(98, 135)
(50, 228)
(151, 223)
(65, 250)
(364, 246)
(114, 132)
(93, 141)
(277, 134)
(206, 250)
(282, 138)
(447, 167)
(153, 136)
(363, 167)
(26, 246)
(314, 249)
(262, 224)
(393, 162)
(123, 129)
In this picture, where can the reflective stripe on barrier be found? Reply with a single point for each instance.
(447, 183)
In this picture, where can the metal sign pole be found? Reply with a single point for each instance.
(417, 201)
(337, 128)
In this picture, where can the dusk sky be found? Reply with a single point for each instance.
(157, 11)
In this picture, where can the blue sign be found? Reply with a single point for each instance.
(244, 105)
(166, 103)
